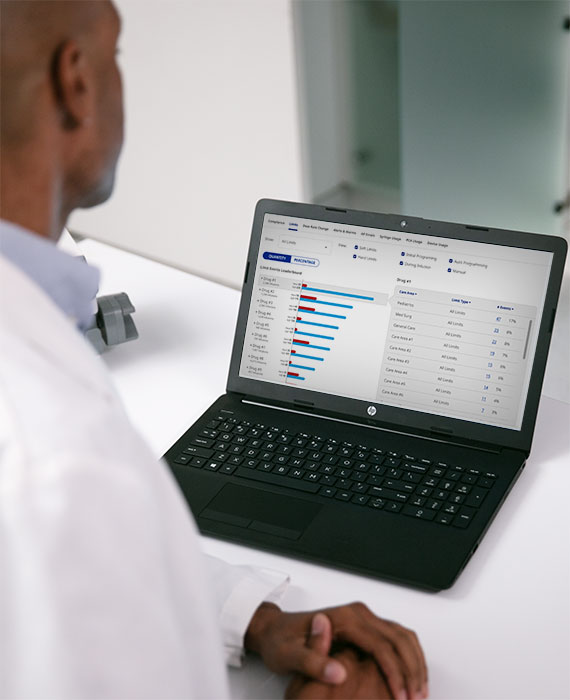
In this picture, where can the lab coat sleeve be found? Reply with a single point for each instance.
(238, 591)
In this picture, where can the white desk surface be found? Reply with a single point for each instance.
(503, 630)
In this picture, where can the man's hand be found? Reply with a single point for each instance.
(286, 643)
(364, 680)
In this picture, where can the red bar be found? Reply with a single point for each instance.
(303, 285)
(305, 308)
(311, 298)
(293, 352)
(299, 318)
(292, 374)
(305, 342)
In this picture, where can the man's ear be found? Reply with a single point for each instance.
(71, 84)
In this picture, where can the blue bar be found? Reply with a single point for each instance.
(328, 303)
(340, 294)
(305, 345)
(318, 313)
(315, 335)
(291, 377)
(307, 357)
(312, 369)
(322, 325)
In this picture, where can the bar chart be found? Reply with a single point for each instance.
(321, 313)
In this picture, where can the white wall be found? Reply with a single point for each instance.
(211, 127)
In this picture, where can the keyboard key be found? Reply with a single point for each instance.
(388, 494)
(377, 503)
(213, 424)
(343, 495)
(360, 499)
(209, 434)
(235, 459)
(451, 508)
(418, 501)
(421, 513)
(398, 485)
(391, 462)
(476, 497)
(197, 462)
(327, 480)
(485, 482)
(359, 487)
(412, 476)
(417, 468)
(227, 469)
(327, 492)
(183, 459)
(212, 465)
(251, 463)
(444, 518)
(376, 469)
(327, 469)
(393, 507)
(297, 473)
(281, 469)
(457, 498)
(198, 451)
(202, 442)
(432, 504)
(469, 479)
(220, 446)
(464, 517)
(277, 480)
(312, 476)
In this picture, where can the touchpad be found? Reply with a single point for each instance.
(283, 516)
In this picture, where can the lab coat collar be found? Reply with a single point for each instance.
(28, 312)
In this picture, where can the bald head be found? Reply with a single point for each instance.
(31, 31)
(61, 98)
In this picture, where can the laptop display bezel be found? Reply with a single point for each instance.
(390, 417)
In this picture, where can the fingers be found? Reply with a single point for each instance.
(320, 636)
(313, 659)
(318, 666)
(364, 681)
(395, 648)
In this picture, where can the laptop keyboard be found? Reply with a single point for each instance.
(355, 473)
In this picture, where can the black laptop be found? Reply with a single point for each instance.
(382, 392)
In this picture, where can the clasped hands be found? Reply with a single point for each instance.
(342, 652)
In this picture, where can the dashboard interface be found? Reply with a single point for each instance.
(431, 324)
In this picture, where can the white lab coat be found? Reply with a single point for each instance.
(103, 588)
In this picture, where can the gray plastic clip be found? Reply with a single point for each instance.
(112, 323)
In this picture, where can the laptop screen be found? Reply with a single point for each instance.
(427, 323)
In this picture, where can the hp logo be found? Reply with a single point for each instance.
(371, 410)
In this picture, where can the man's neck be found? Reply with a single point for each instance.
(30, 196)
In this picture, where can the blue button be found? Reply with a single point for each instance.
(279, 257)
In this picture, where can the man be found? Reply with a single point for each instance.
(104, 592)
